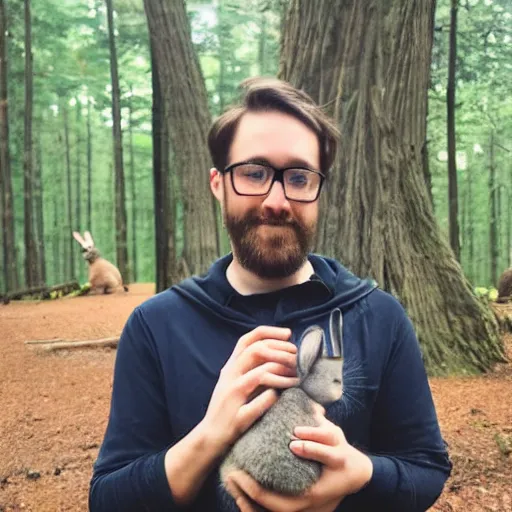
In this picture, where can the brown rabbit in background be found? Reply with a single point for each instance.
(103, 275)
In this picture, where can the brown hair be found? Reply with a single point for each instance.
(266, 94)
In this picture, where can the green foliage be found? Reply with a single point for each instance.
(486, 293)
(233, 40)
(483, 105)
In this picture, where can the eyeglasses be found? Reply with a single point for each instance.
(254, 179)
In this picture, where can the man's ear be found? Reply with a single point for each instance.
(216, 183)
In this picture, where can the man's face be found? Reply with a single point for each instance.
(270, 235)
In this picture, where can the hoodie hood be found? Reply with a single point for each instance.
(332, 285)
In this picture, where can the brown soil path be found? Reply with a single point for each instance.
(54, 408)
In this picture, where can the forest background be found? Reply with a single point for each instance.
(92, 141)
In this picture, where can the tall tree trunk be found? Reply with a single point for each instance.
(509, 219)
(132, 191)
(39, 217)
(121, 242)
(262, 53)
(221, 31)
(369, 63)
(31, 274)
(88, 222)
(164, 230)
(8, 230)
(493, 219)
(453, 200)
(78, 193)
(470, 225)
(188, 120)
(69, 257)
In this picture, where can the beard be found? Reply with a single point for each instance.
(270, 246)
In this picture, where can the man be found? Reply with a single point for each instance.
(191, 359)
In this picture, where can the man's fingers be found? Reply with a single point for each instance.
(260, 333)
(323, 453)
(328, 436)
(241, 501)
(253, 410)
(265, 498)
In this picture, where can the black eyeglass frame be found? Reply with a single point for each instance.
(278, 176)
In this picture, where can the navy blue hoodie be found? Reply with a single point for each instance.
(174, 345)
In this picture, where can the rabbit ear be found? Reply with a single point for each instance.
(79, 239)
(310, 349)
(334, 346)
(88, 238)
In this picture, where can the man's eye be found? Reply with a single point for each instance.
(255, 175)
(298, 179)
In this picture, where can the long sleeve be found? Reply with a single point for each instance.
(409, 456)
(129, 474)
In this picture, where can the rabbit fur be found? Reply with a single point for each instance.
(103, 275)
(263, 450)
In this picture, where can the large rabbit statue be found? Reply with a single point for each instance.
(103, 276)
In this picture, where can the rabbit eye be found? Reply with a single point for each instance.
(337, 381)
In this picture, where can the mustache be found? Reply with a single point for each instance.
(271, 220)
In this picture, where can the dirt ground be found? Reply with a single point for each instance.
(54, 408)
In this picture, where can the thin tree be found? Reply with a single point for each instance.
(188, 120)
(163, 228)
(452, 152)
(121, 236)
(493, 214)
(88, 222)
(31, 269)
(369, 64)
(132, 188)
(8, 230)
(39, 211)
(69, 251)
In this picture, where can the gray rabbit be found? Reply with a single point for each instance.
(263, 450)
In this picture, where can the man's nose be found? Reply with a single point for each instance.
(276, 200)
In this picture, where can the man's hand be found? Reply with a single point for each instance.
(262, 359)
(346, 470)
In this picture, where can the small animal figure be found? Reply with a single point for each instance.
(505, 286)
(103, 275)
(263, 451)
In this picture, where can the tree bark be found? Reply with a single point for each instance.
(31, 270)
(69, 258)
(88, 222)
(165, 200)
(369, 64)
(453, 200)
(39, 211)
(132, 190)
(493, 218)
(78, 192)
(7, 198)
(121, 238)
(188, 120)
(470, 234)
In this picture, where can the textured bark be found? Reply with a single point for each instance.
(39, 213)
(69, 258)
(163, 231)
(121, 242)
(493, 217)
(32, 277)
(78, 193)
(8, 231)
(368, 63)
(453, 201)
(188, 120)
(132, 190)
(88, 221)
